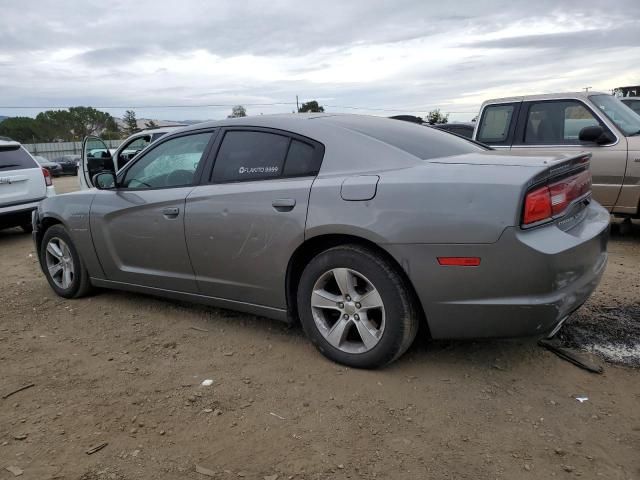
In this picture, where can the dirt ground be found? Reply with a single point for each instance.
(126, 370)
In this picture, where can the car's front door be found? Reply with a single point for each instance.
(553, 127)
(243, 226)
(95, 158)
(138, 227)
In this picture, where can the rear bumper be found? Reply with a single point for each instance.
(17, 215)
(527, 282)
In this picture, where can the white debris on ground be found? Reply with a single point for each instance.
(617, 353)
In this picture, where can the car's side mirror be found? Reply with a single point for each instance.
(104, 180)
(595, 134)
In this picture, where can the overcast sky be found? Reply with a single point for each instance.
(404, 56)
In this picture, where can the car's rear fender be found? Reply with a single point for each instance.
(526, 282)
(428, 203)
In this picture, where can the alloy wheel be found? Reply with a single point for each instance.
(59, 262)
(348, 310)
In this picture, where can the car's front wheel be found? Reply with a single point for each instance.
(62, 264)
(356, 307)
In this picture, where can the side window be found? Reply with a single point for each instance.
(557, 123)
(495, 124)
(132, 149)
(171, 164)
(246, 155)
(302, 160)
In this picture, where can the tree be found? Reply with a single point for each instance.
(74, 123)
(434, 117)
(311, 106)
(238, 111)
(20, 129)
(130, 122)
(61, 125)
(150, 124)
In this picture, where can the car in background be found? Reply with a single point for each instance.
(632, 102)
(23, 184)
(571, 123)
(464, 129)
(360, 227)
(101, 157)
(54, 168)
(68, 163)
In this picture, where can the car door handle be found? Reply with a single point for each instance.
(284, 204)
(171, 212)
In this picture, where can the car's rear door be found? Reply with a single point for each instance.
(243, 226)
(21, 178)
(553, 127)
(138, 228)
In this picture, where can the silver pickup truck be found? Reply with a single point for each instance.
(570, 123)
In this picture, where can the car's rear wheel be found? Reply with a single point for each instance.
(356, 308)
(62, 264)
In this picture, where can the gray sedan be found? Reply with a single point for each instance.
(359, 227)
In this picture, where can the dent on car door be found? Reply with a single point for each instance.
(138, 227)
(553, 127)
(243, 226)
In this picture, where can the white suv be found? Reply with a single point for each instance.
(23, 183)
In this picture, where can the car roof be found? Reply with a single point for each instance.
(545, 96)
(165, 129)
(352, 143)
(9, 143)
(301, 123)
(454, 124)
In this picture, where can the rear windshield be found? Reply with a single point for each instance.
(418, 140)
(15, 158)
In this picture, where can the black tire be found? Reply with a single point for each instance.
(27, 228)
(402, 314)
(80, 284)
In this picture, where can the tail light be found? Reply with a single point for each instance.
(552, 200)
(47, 177)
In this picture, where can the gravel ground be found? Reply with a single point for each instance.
(127, 370)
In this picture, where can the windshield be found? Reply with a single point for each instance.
(625, 119)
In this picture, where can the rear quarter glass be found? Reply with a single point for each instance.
(15, 158)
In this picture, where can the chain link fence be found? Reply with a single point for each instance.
(51, 151)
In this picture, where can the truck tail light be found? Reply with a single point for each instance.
(552, 200)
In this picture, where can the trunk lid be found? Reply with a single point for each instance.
(507, 159)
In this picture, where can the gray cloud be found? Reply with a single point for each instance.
(627, 35)
(104, 44)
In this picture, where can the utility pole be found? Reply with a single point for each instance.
(297, 105)
(586, 89)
